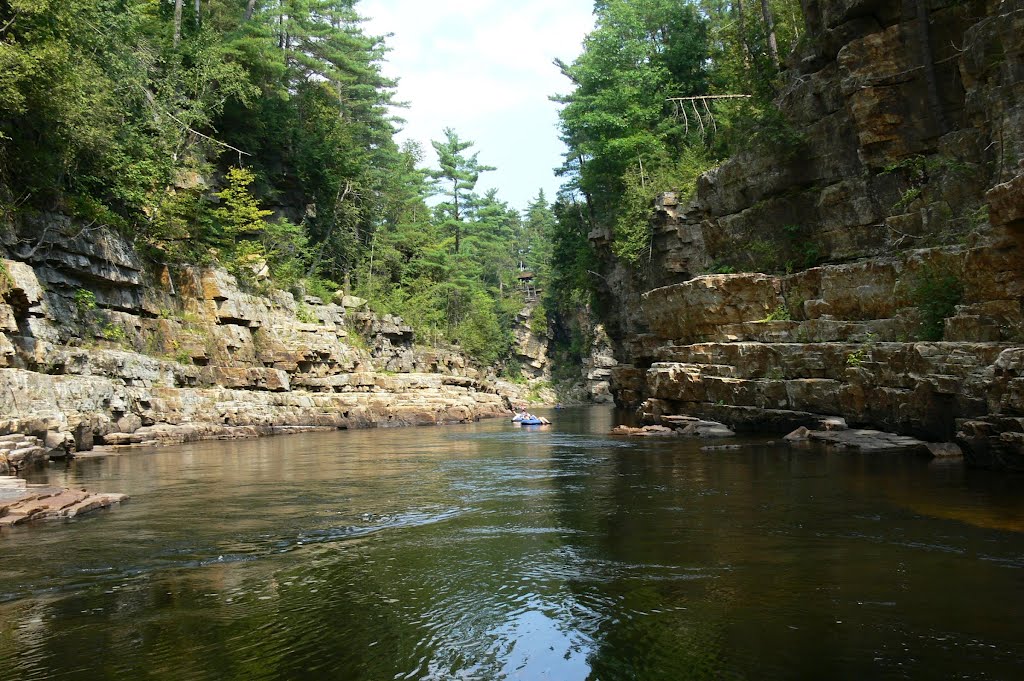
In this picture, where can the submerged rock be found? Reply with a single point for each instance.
(678, 425)
(720, 448)
(21, 502)
(645, 431)
(868, 440)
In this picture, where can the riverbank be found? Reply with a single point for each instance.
(98, 348)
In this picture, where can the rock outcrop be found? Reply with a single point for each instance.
(876, 263)
(98, 348)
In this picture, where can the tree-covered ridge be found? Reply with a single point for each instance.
(124, 111)
(255, 134)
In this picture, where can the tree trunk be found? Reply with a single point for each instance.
(249, 9)
(198, 7)
(280, 27)
(458, 222)
(769, 27)
(177, 22)
(928, 61)
(741, 26)
(812, 16)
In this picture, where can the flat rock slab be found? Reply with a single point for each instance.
(684, 425)
(21, 503)
(867, 440)
(646, 431)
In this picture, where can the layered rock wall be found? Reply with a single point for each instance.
(872, 267)
(98, 348)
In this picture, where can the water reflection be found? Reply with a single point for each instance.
(485, 552)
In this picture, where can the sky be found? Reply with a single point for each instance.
(484, 68)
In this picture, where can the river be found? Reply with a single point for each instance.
(487, 551)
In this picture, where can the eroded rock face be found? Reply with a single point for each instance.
(842, 246)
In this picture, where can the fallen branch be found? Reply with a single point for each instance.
(680, 106)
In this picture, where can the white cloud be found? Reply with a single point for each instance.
(484, 67)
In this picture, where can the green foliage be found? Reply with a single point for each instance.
(6, 280)
(627, 141)
(450, 273)
(118, 115)
(480, 332)
(512, 371)
(759, 124)
(789, 250)
(977, 217)
(85, 303)
(456, 178)
(250, 244)
(114, 333)
(800, 249)
(917, 173)
(320, 287)
(632, 234)
(305, 315)
(535, 245)
(779, 314)
(573, 261)
(617, 117)
(935, 293)
(539, 321)
(857, 357)
(861, 354)
(740, 55)
(239, 215)
(907, 199)
(533, 395)
(356, 339)
(764, 255)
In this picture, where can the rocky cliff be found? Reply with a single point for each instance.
(871, 267)
(584, 381)
(97, 348)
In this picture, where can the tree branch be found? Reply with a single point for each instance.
(153, 103)
(11, 22)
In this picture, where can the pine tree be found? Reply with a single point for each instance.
(457, 175)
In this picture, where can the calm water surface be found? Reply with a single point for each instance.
(488, 551)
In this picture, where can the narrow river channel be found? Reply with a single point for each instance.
(488, 551)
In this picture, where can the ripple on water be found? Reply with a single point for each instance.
(480, 552)
(550, 438)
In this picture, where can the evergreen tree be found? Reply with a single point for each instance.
(624, 141)
(535, 245)
(457, 175)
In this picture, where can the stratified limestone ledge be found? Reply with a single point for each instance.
(21, 502)
(99, 410)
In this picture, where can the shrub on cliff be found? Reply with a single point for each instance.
(935, 293)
